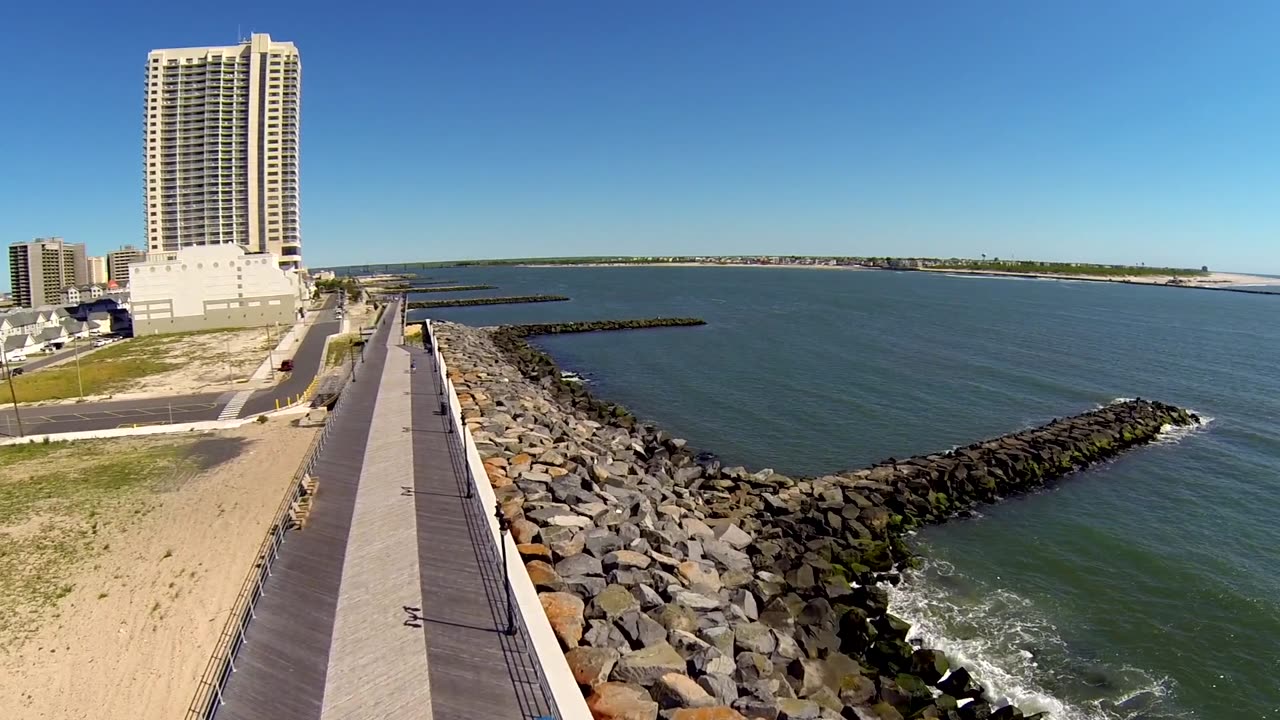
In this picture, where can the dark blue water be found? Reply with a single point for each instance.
(1143, 589)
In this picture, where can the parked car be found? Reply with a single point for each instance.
(16, 372)
(17, 358)
(101, 342)
(286, 366)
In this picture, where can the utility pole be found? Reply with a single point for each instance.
(79, 380)
(8, 371)
(271, 354)
(229, 380)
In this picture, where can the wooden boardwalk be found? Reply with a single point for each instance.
(390, 603)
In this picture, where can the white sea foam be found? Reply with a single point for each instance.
(991, 636)
(1170, 434)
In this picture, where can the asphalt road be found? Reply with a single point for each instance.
(180, 408)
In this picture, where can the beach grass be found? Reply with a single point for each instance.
(339, 347)
(57, 500)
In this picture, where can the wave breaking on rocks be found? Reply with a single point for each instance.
(681, 587)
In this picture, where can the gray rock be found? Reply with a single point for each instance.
(712, 661)
(701, 578)
(686, 643)
(579, 565)
(755, 708)
(567, 546)
(646, 665)
(627, 559)
(726, 556)
(697, 601)
(744, 600)
(787, 648)
(792, 709)
(751, 667)
(602, 542)
(602, 634)
(754, 637)
(720, 687)
(735, 536)
(696, 528)
(719, 636)
(677, 690)
(613, 602)
(585, 585)
(648, 597)
(677, 617)
(640, 629)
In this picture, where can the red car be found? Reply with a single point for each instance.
(286, 366)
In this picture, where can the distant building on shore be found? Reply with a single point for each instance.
(118, 263)
(221, 148)
(205, 287)
(96, 269)
(41, 269)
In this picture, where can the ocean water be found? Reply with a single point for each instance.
(1145, 588)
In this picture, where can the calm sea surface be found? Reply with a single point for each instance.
(1146, 588)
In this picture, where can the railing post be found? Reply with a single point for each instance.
(503, 526)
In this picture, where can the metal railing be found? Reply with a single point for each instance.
(208, 696)
(539, 695)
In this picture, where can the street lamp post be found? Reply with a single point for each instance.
(79, 380)
(8, 371)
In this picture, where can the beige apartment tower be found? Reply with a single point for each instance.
(220, 163)
(39, 270)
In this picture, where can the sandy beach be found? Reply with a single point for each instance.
(137, 616)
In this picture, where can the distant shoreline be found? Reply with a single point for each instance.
(1228, 282)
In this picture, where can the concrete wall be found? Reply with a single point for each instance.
(155, 317)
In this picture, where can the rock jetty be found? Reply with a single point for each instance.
(685, 589)
(428, 304)
(452, 288)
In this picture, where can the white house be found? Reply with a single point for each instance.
(211, 286)
(16, 347)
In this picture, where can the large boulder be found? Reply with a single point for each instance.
(646, 665)
(564, 612)
(621, 701)
(591, 666)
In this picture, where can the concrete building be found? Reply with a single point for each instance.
(220, 134)
(206, 287)
(39, 270)
(97, 269)
(118, 263)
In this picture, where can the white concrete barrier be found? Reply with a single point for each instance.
(564, 688)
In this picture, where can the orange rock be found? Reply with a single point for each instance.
(564, 612)
(523, 531)
(521, 459)
(534, 551)
(543, 576)
(621, 701)
(720, 712)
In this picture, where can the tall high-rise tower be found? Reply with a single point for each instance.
(220, 163)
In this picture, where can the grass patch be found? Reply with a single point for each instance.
(339, 347)
(54, 500)
(115, 367)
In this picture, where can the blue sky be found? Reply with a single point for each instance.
(1096, 131)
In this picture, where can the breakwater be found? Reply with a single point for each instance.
(428, 304)
(675, 582)
(451, 288)
(597, 326)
